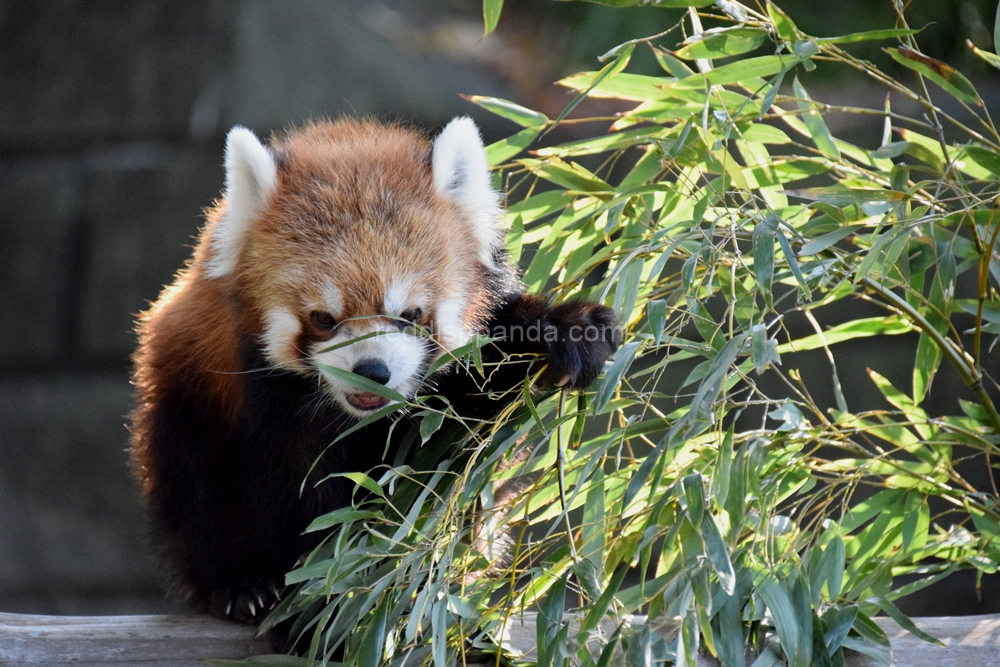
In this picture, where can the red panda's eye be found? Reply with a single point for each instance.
(411, 315)
(323, 319)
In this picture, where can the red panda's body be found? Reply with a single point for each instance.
(328, 245)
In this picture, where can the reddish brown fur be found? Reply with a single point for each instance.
(226, 430)
(360, 198)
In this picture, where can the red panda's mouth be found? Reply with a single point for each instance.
(366, 401)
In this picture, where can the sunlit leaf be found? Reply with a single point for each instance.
(818, 130)
(719, 43)
(868, 36)
(782, 22)
(491, 14)
(939, 72)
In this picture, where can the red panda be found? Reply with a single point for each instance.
(329, 245)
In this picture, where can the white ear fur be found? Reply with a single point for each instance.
(461, 173)
(251, 176)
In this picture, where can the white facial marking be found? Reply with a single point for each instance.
(333, 302)
(251, 177)
(449, 327)
(281, 328)
(462, 174)
(398, 296)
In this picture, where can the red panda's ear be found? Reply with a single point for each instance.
(251, 176)
(462, 174)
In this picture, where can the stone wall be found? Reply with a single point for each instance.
(112, 122)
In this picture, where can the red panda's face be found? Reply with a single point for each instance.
(359, 250)
(374, 306)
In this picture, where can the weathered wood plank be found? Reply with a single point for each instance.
(185, 641)
(163, 641)
(970, 641)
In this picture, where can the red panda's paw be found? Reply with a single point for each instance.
(586, 334)
(247, 602)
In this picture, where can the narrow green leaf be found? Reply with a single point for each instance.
(606, 385)
(763, 255)
(506, 109)
(600, 607)
(622, 58)
(592, 531)
(794, 632)
(937, 71)
(882, 656)
(772, 93)
(361, 479)
(570, 175)
(430, 424)
(903, 620)
(829, 572)
(723, 467)
(549, 621)
(838, 620)
(820, 653)
(991, 58)
(721, 43)
(782, 23)
(840, 196)
(730, 642)
(362, 383)
(370, 653)
(439, 633)
(670, 64)
(656, 313)
(823, 242)
(763, 351)
(340, 516)
(985, 158)
(736, 72)
(491, 15)
(718, 555)
(505, 149)
(868, 36)
(916, 522)
(818, 130)
(862, 328)
(996, 31)
(793, 264)
(708, 390)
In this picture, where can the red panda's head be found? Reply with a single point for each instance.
(339, 237)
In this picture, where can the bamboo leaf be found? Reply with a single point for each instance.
(782, 23)
(720, 43)
(939, 72)
(505, 149)
(916, 522)
(818, 130)
(506, 109)
(763, 255)
(361, 479)
(794, 631)
(609, 382)
(430, 424)
(985, 158)
(656, 312)
(362, 383)
(739, 71)
(491, 15)
(718, 555)
(904, 622)
(868, 36)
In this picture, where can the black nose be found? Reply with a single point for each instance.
(373, 369)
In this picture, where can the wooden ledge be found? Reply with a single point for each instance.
(185, 641)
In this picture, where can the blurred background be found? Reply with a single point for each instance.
(112, 122)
